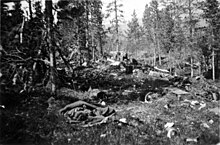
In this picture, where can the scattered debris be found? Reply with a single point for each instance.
(211, 121)
(215, 110)
(215, 96)
(178, 91)
(148, 98)
(123, 120)
(103, 135)
(93, 92)
(168, 125)
(103, 103)
(69, 139)
(191, 140)
(167, 106)
(205, 125)
(159, 74)
(161, 70)
(127, 92)
(116, 63)
(171, 131)
(202, 105)
(2, 106)
(194, 104)
(112, 84)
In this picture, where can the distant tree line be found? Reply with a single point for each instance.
(178, 32)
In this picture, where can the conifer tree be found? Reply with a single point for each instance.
(212, 15)
(97, 25)
(114, 9)
(151, 20)
(134, 33)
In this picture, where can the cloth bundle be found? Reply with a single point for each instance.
(86, 114)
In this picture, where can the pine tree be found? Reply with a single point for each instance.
(17, 13)
(97, 26)
(191, 18)
(25, 55)
(134, 32)
(85, 23)
(151, 20)
(179, 31)
(166, 27)
(12, 22)
(114, 8)
(34, 40)
(212, 15)
(167, 34)
(6, 26)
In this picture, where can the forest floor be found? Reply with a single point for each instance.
(192, 118)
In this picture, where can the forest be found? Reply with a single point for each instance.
(76, 72)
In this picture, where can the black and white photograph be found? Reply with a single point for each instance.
(110, 72)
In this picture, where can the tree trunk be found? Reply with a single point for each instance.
(93, 48)
(21, 30)
(160, 62)
(157, 38)
(100, 45)
(116, 26)
(169, 57)
(78, 42)
(217, 63)
(87, 30)
(136, 47)
(49, 20)
(191, 35)
(191, 61)
(213, 65)
(154, 62)
(30, 9)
